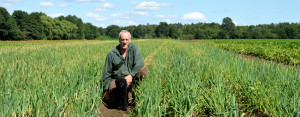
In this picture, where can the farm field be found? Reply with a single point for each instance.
(286, 51)
(62, 78)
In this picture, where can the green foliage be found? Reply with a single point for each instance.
(139, 32)
(113, 31)
(58, 29)
(8, 27)
(91, 31)
(162, 30)
(39, 26)
(78, 22)
(32, 26)
(284, 52)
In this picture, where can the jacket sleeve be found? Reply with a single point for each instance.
(138, 62)
(106, 78)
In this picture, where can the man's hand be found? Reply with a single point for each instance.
(128, 79)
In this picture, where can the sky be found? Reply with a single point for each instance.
(103, 13)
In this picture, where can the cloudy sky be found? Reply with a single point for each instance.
(103, 13)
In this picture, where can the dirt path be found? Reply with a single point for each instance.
(107, 112)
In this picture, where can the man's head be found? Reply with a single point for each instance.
(124, 39)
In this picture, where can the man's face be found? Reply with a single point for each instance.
(124, 40)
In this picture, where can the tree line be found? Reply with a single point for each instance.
(38, 26)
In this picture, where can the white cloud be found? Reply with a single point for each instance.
(160, 16)
(133, 2)
(97, 17)
(168, 20)
(100, 9)
(5, 4)
(13, 1)
(103, 7)
(131, 22)
(56, 15)
(165, 16)
(46, 4)
(8, 3)
(125, 23)
(194, 16)
(151, 5)
(63, 5)
(137, 12)
(108, 5)
(172, 16)
(235, 23)
(116, 14)
(83, 0)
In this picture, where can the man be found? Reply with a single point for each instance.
(123, 61)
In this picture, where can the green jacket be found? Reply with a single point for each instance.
(117, 67)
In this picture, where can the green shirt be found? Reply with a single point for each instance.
(118, 67)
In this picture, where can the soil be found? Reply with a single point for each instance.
(108, 112)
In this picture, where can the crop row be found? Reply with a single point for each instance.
(196, 79)
(186, 79)
(54, 79)
(283, 52)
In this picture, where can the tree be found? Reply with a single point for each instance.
(91, 31)
(292, 31)
(49, 25)
(173, 30)
(8, 27)
(131, 29)
(79, 24)
(162, 30)
(36, 28)
(228, 28)
(30, 25)
(113, 31)
(139, 32)
(150, 31)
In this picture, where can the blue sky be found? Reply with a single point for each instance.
(103, 13)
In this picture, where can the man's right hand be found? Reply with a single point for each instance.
(128, 78)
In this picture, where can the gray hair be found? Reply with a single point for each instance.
(124, 31)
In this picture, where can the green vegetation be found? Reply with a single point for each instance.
(38, 26)
(199, 79)
(62, 78)
(283, 51)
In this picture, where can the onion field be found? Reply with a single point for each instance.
(62, 78)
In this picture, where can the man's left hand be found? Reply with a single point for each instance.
(128, 78)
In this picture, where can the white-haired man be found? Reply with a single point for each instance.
(123, 61)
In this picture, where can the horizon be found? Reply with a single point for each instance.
(103, 13)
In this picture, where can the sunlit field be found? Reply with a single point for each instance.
(62, 78)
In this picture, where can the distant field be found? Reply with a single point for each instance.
(285, 51)
(62, 78)
(257, 40)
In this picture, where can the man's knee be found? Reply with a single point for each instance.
(112, 85)
(143, 73)
(109, 94)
